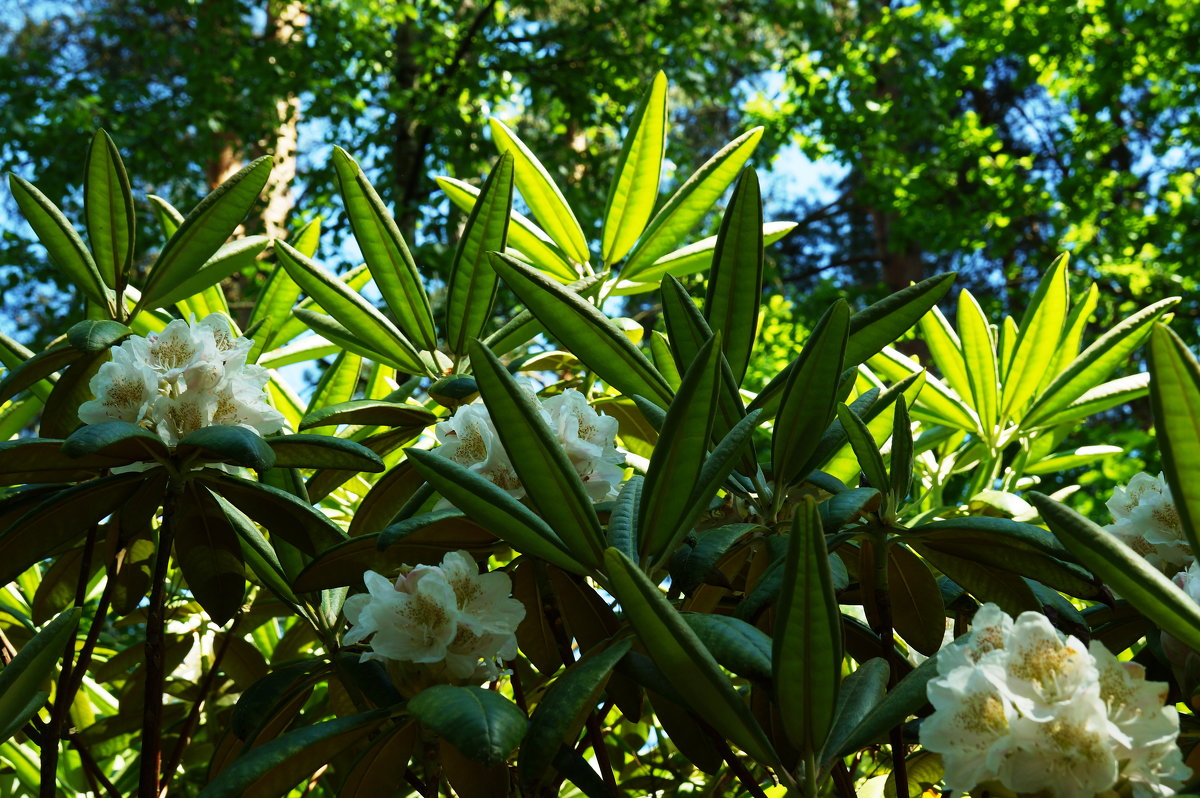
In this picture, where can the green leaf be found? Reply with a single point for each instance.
(277, 511)
(22, 680)
(343, 565)
(633, 192)
(386, 254)
(865, 450)
(541, 194)
(119, 440)
(585, 331)
(108, 207)
(323, 451)
(494, 509)
(257, 551)
(231, 257)
(553, 486)
(59, 521)
(689, 204)
(809, 398)
(274, 304)
(473, 283)
(329, 328)
(1062, 461)
(877, 326)
(901, 701)
(1123, 570)
(95, 335)
(1113, 393)
(623, 521)
(227, 444)
(525, 239)
(41, 460)
(273, 768)
(938, 403)
(679, 455)
(1095, 364)
(979, 357)
(677, 651)
(168, 216)
(861, 692)
(901, 464)
(209, 554)
(691, 259)
(204, 231)
(61, 415)
(62, 241)
(1175, 398)
(562, 710)
(1038, 341)
(945, 351)
(735, 284)
(386, 498)
(807, 655)
(359, 317)
(483, 725)
(738, 646)
(33, 371)
(1072, 335)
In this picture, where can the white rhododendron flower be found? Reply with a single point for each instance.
(469, 438)
(184, 378)
(448, 613)
(1019, 703)
(1146, 520)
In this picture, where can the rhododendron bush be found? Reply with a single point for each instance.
(549, 551)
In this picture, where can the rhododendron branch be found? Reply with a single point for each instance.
(152, 709)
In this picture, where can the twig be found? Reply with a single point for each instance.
(152, 710)
(90, 765)
(597, 736)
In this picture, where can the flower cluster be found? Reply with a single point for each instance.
(1146, 520)
(1018, 703)
(448, 613)
(186, 377)
(589, 438)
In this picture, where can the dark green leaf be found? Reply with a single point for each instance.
(279, 512)
(623, 521)
(860, 693)
(38, 460)
(807, 654)
(227, 444)
(273, 768)
(323, 451)
(561, 712)
(552, 485)
(677, 650)
(231, 257)
(1122, 569)
(118, 440)
(108, 206)
(95, 335)
(738, 646)
(901, 701)
(208, 553)
(27, 370)
(23, 678)
(493, 509)
(483, 725)
(61, 415)
(1175, 398)
(735, 282)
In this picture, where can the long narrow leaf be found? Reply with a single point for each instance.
(735, 284)
(1039, 339)
(585, 331)
(541, 194)
(204, 230)
(62, 241)
(108, 207)
(353, 312)
(807, 652)
(551, 482)
(979, 356)
(633, 193)
(473, 281)
(1175, 398)
(677, 651)
(688, 205)
(386, 253)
